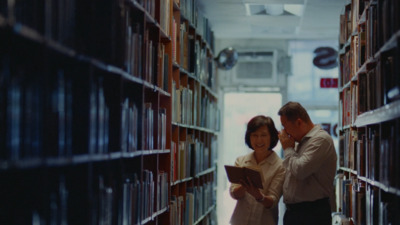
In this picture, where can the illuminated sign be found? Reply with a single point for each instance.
(325, 58)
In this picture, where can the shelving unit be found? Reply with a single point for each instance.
(194, 117)
(368, 189)
(94, 108)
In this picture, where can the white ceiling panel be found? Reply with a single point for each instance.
(228, 18)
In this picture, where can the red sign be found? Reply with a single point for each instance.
(328, 83)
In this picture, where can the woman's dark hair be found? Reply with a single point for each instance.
(258, 121)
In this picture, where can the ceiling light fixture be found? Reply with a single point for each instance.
(274, 9)
(253, 9)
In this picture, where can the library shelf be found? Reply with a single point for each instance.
(368, 181)
(89, 128)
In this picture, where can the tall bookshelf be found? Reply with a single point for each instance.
(108, 112)
(368, 186)
(194, 117)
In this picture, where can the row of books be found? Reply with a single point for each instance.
(203, 27)
(376, 147)
(150, 7)
(193, 52)
(190, 11)
(133, 50)
(50, 197)
(185, 102)
(162, 190)
(190, 108)
(351, 58)
(347, 106)
(366, 204)
(129, 126)
(131, 199)
(345, 67)
(64, 199)
(379, 147)
(210, 114)
(386, 20)
(165, 16)
(70, 23)
(139, 54)
(119, 40)
(347, 150)
(389, 154)
(189, 158)
(184, 45)
(389, 71)
(370, 93)
(31, 201)
(82, 106)
(148, 126)
(58, 112)
(141, 199)
(345, 24)
(152, 140)
(147, 194)
(144, 57)
(151, 64)
(373, 21)
(153, 6)
(369, 151)
(195, 58)
(376, 86)
(53, 111)
(195, 204)
(103, 206)
(368, 190)
(58, 205)
(371, 27)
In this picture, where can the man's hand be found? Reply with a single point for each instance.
(286, 140)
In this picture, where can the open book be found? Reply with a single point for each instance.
(236, 174)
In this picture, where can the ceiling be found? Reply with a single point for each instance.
(302, 19)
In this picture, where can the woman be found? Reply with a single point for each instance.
(259, 206)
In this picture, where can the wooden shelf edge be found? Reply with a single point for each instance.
(207, 171)
(385, 113)
(210, 209)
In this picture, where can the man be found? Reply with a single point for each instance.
(310, 168)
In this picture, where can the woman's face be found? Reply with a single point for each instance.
(260, 139)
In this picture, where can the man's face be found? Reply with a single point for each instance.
(291, 128)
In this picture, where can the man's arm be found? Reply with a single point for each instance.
(310, 160)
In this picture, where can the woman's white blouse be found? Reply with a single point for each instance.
(250, 212)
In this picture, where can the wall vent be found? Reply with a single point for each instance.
(256, 68)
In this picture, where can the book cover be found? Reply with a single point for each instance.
(236, 174)
(166, 72)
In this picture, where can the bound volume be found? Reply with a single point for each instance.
(236, 174)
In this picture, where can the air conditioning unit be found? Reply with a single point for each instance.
(256, 68)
